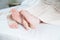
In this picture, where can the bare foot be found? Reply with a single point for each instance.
(24, 18)
(16, 18)
(15, 15)
(30, 19)
(11, 23)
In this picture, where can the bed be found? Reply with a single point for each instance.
(42, 31)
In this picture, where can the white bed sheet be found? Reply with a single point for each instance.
(42, 31)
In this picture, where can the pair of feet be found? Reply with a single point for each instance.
(24, 18)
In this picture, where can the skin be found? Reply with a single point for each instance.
(23, 18)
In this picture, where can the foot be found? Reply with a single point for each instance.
(15, 15)
(14, 18)
(30, 19)
(11, 23)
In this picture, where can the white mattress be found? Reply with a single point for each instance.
(42, 31)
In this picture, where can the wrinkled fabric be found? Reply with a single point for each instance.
(42, 32)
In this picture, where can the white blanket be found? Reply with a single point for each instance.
(42, 31)
(45, 12)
